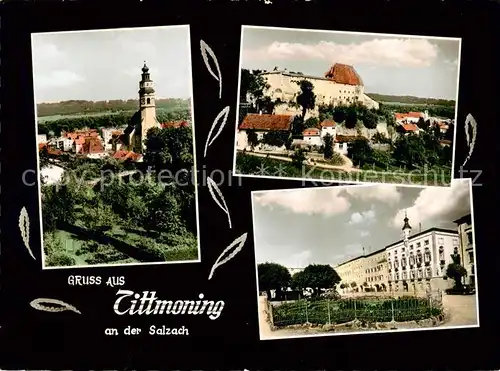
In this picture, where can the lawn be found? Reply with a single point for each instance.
(253, 165)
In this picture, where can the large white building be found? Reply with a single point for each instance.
(418, 262)
(341, 84)
(466, 239)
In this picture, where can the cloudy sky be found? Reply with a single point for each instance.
(331, 225)
(394, 65)
(105, 65)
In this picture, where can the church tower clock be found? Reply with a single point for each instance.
(147, 105)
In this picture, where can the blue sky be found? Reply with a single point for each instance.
(332, 224)
(106, 65)
(394, 65)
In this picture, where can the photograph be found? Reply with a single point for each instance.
(364, 258)
(115, 145)
(347, 107)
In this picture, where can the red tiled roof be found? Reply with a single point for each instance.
(92, 145)
(116, 132)
(127, 155)
(328, 123)
(401, 116)
(343, 74)
(266, 122)
(311, 132)
(410, 127)
(50, 150)
(174, 124)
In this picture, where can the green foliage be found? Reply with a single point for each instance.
(318, 276)
(59, 259)
(351, 118)
(273, 276)
(370, 119)
(252, 83)
(360, 151)
(252, 138)
(411, 100)
(311, 122)
(306, 99)
(328, 146)
(72, 107)
(341, 311)
(297, 126)
(298, 158)
(456, 272)
(410, 150)
(277, 138)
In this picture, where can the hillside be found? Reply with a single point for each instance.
(81, 107)
(407, 99)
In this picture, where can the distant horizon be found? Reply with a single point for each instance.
(107, 100)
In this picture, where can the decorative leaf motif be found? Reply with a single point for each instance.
(470, 121)
(24, 227)
(234, 248)
(216, 193)
(206, 51)
(61, 306)
(221, 119)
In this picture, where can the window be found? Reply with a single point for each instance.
(426, 242)
(441, 240)
(412, 274)
(419, 244)
(455, 242)
(411, 247)
(469, 238)
(441, 253)
(428, 272)
(403, 262)
(403, 249)
(419, 257)
(148, 100)
(412, 259)
(420, 273)
(396, 264)
(397, 276)
(471, 257)
(390, 265)
(404, 275)
(427, 255)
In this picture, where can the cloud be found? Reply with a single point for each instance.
(55, 79)
(437, 205)
(362, 217)
(364, 233)
(46, 53)
(391, 52)
(307, 201)
(383, 193)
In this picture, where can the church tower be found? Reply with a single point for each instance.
(147, 106)
(406, 228)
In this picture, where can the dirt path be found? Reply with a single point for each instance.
(347, 167)
(462, 309)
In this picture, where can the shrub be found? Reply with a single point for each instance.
(59, 259)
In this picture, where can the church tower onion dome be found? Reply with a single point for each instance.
(406, 224)
(145, 68)
(344, 74)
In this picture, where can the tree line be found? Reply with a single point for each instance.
(69, 124)
(411, 100)
(72, 107)
(318, 277)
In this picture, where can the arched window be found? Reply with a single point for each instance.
(148, 101)
(427, 255)
(441, 253)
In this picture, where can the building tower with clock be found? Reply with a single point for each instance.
(145, 118)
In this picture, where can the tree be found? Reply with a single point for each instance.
(277, 138)
(252, 138)
(449, 133)
(456, 272)
(297, 126)
(360, 151)
(299, 281)
(351, 118)
(99, 218)
(298, 158)
(370, 119)
(306, 99)
(410, 150)
(422, 124)
(311, 122)
(340, 113)
(318, 276)
(328, 146)
(273, 276)
(253, 84)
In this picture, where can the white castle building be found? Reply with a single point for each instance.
(341, 84)
(418, 262)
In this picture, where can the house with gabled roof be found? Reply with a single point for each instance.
(261, 124)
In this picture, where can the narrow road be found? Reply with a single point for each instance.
(347, 167)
